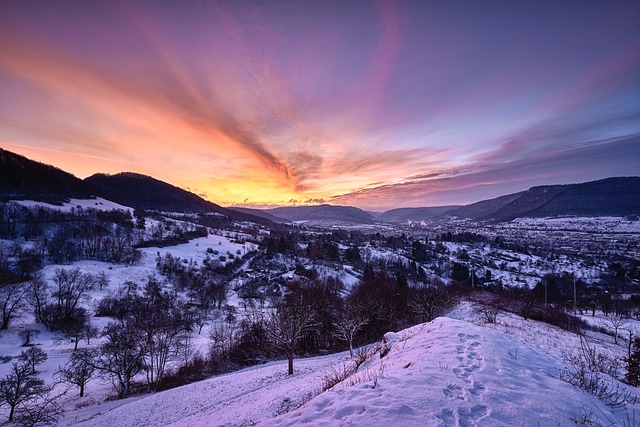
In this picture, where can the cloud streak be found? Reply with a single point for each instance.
(295, 102)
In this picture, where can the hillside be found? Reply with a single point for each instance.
(444, 373)
(323, 212)
(144, 192)
(415, 214)
(21, 178)
(261, 214)
(147, 193)
(606, 197)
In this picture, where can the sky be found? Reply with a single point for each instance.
(375, 104)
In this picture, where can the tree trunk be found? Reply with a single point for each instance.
(291, 363)
(81, 390)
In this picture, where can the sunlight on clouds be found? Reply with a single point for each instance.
(294, 102)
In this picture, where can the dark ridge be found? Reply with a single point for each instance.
(324, 213)
(25, 179)
(147, 193)
(415, 214)
(144, 192)
(605, 197)
(260, 213)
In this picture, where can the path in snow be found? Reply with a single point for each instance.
(468, 353)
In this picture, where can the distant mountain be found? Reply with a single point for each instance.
(605, 197)
(25, 179)
(323, 213)
(144, 192)
(261, 214)
(415, 214)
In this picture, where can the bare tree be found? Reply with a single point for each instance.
(431, 302)
(287, 325)
(102, 280)
(37, 294)
(90, 332)
(351, 320)
(76, 328)
(20, 386)
(159, 318)
(27, 335)
(121, 356)
(615, 322)
(70, 286)
(33, 357)
(12, 301)
(41, 411)
(78, 370)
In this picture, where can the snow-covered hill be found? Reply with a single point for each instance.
(444, 373)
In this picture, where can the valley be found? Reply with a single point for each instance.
(150, 315)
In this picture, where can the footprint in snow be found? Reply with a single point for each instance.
(469, 417)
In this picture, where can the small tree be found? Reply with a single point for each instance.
(159, 317)
(615, 322)
(33, 357)
(20, 386)
(287, 325)
(76, 327)
(351, 320)
(70, 286)
(633, 360)
(102, 280)
(430, 302)
(27, 335)
(78, 370)
(12, 301)
(90, 332)
(121, 356)
(37, 295)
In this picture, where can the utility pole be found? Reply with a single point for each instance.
(546, 287)
(575, 300)
(472, 278)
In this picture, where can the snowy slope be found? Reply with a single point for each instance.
(97, 203)
(445, 373)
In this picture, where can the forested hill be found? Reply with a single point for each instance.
(25, 179)
(415, 214)
(144, 192)
(323, 213)
(605, 197)
(21, 179)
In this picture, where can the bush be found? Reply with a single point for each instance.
(595, 372)
(196, 369)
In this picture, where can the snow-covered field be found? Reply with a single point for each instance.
(454, 371)
(445, 373)
(97, 203)
(592, 224)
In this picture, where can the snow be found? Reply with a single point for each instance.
(239, 398)
(452, 372)
(606, 224)
(98, 203)
(196, 250)
(445, 373)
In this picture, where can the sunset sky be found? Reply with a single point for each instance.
(364, 103)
